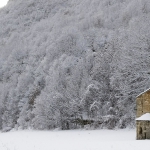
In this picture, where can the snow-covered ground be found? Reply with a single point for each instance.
(72, 140)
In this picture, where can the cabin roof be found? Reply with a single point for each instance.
(142, 92)
(145, 117)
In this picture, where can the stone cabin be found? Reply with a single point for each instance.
(143, 115)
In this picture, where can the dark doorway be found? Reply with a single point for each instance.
(140, 130)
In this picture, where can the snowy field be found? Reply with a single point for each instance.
(72, 140)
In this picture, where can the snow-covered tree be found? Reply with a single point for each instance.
(65, 64)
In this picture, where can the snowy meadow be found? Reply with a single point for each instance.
(72, 140)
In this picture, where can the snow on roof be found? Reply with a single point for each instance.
(143, 92)
(144, 117)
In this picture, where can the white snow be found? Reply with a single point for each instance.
(72, 140)
(3, 3)
(144, 117)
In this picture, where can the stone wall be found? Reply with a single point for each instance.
(143, 130)
(143, 103)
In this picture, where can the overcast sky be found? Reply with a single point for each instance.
(3, 3)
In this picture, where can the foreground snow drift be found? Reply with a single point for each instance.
(72, 140)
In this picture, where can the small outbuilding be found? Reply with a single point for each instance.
(143, 127)
(143, 115)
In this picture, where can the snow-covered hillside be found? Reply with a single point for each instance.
(72, 140)
(69, 63)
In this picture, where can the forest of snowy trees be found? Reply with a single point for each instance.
(73, 63)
